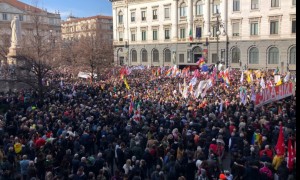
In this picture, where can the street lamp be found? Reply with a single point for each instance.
(219, 25)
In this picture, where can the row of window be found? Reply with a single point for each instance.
(5, 17)
(273, 55)
(198, 9)
(255, 4)
(155, 55)
(254, 31)
(254, 28)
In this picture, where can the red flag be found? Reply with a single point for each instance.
(291, 155)
(280, 143)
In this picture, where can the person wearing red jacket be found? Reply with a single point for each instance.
(268, 152)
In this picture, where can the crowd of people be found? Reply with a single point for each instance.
(144, 129)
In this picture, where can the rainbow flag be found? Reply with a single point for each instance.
(169, 72)
(257, 137)
(201, 62)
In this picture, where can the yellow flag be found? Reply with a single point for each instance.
(126, 84)
(279, 82)
(248, 78)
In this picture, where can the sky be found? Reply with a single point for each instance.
(78, 8)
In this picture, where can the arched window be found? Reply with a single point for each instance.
(144, 55)
(236, 55)
(253, 56)
(120, 17)
(182, 10)
(155, 55)
(133, 56)
(199, 8)
(197, 50)
(167, 55)
(273, 55)
(293, 55)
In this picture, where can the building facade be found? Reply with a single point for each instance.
(74, 28)
(49, 22)
(252, 34)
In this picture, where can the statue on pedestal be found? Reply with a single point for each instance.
(16, 36)
(15, 32)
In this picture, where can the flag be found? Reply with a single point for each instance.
(251, 77)
(180, 89)
(191, 35)
(193, 81)
(204, 68)
(200, 62)
(196, 73)
(276, 71)
(242, 78)
(248, 78)
(287, 77)
(279, 82)
(206, 86)
(280, 143)
(126, 84)
(169, 72)
(185, 89)
(257, 137)
(291, 155)
(262, 83)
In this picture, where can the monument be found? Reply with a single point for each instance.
(9, 67)
(16, 36)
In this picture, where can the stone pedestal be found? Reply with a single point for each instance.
(13, 51)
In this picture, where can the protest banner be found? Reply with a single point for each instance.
(273, 93)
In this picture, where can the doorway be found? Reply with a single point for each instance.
(197, 53)
(121, 60)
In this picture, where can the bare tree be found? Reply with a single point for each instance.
(36, 56)
(94, 53)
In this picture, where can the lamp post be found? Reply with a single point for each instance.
(218, 25)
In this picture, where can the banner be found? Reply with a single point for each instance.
(273, 93)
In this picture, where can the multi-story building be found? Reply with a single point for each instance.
(241, 33)
(101, 26)
(49, 23)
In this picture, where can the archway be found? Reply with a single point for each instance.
(197, 53)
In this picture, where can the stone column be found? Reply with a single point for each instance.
(207, 17)
(115, 23)
(174, 21)
(125, 23)
(190, 17)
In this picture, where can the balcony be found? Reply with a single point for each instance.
(119, 43)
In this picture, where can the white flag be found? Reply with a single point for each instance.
(199, 89)
(262, 83)
(287, 77)
(242, 77)
(193, 81)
